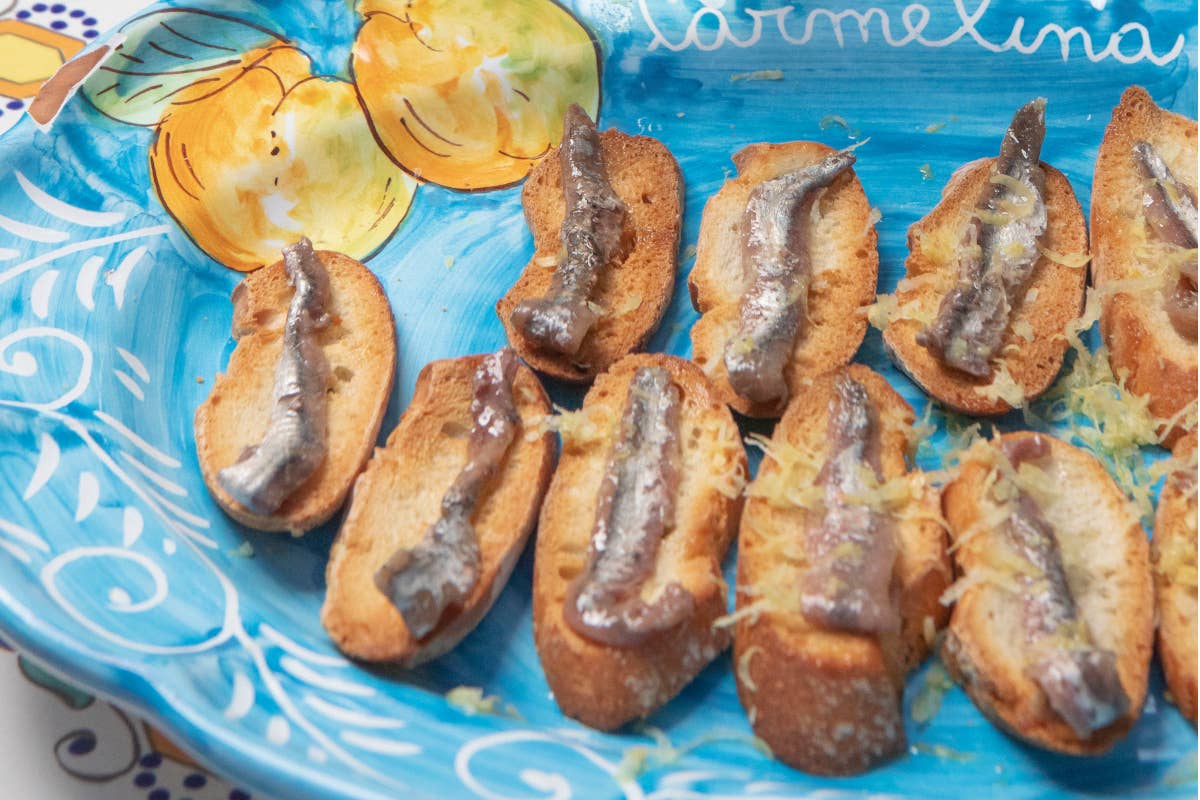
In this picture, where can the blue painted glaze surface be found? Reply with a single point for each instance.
(116, 566)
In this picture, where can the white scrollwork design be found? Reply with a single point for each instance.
(56, 565)
(552, 786)
(24, 364)
(146, 485)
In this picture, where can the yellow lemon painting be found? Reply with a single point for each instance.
(253, 149)
(274, 155)
(471, 94)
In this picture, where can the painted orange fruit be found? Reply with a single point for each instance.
(469, 94)
(258, 154)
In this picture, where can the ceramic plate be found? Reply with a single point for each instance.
(119, 225)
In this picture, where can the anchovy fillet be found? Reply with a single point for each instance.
(294, 444)
(443, 568)
(848, 585)
(635, 507)
(1170, 209)
(591, 236)
(775, 233)
(998, 254)
(1080, 680)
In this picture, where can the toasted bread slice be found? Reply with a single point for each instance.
(1141, 340)
(1174, 551)
(828, 701)
(633, 292)
(399, 496)
(360, 345)
(845, 264)
(1034, 344)
(1106, 559)
(604, 686)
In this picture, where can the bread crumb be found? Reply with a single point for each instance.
(680, 114)
(472, 701)
(926, 172)
(640, 759)
(449, 260)
(244, 550)
(199, 379)
(941, 751)
(757, 75)
(928, 700)
(934, 127)
(833, 120)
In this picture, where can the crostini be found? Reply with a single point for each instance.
(627, 573)
(289, 425)
(605, 210)
(1053, 620)
(841, 564)
(1144, 262)
(786, 262)
(442, 512)
(994, 275)
(1174, 553)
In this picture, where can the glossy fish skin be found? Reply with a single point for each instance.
(1170, 209)
(591, 234)
(1169, 204)
(443, 568)
(634, 510)
(996, 258)
(849, 585)
(775, 232)
(1080, 680)
(294, 444)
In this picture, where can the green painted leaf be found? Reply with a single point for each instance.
(164, 52)
(72, 697)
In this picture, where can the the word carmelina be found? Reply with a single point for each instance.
(799, 27)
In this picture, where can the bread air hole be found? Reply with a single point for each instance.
(454, 430)
(343, 373)
(266, 318)
(334, 333)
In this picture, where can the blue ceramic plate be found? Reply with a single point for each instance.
(117, 568)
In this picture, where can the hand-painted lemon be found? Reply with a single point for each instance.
(271, 154)
(469, 94)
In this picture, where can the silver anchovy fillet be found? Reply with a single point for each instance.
(443, 568)
(1170, 209)
(591, 236)
(1170, 205)
(852, 552)
(1079, 679)
(634, 510)
(775, 249)
(295, 444)
(1000, 249)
